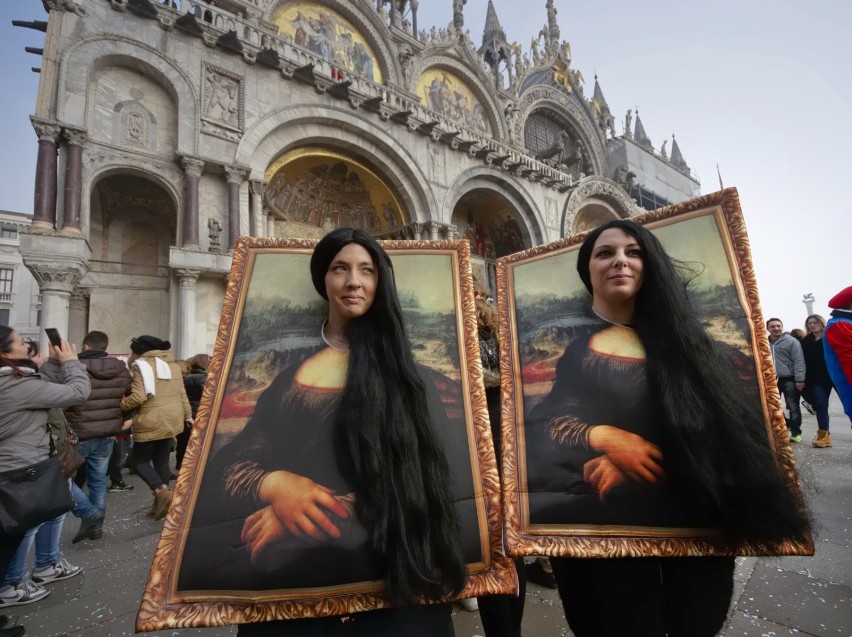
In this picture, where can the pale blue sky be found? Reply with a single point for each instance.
(760, 87)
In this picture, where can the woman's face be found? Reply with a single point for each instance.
(351, 282)
(19, 349)
(814, 326)
(616, 266)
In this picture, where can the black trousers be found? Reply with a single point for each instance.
(156, 452)
(645, 597)
(501, 615)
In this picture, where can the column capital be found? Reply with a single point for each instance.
(74, 136)
(235, 174)
(187, 277)
(257, 187)
(192, 166)
(56, 276)
(79, 298)
(46, 130)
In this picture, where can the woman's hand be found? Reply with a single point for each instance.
(300, 504)
(640, 460)
(260, 529)
(603, 476)
(64, 353)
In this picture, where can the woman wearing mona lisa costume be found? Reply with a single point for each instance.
(646, 426)
(340, 475)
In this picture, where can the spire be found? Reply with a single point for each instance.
(677, 157)
(493, 33)
(639, 135)
(552, 25)
(598, 95)
(495, 48)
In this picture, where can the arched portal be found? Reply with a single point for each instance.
(314, 189)
(133, 224)
(493, 227)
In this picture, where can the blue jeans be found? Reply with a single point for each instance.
(819, 399)
(47, 551)
(96, 451)
(787, 387)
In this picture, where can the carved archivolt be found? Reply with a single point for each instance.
(601, 188)
(551, 98)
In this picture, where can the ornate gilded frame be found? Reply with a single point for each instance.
(164, 606)
(524, 538)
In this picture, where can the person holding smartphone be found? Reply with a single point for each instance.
(26, 396)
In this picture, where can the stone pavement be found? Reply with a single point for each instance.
(773, 596)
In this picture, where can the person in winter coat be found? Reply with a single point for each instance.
(25, 398)
(193, 382)
(790, 370)
(158, 394)
(96, 423)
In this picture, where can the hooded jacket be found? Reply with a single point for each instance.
(788, 358)
(162, 415)
(24, 404)
(101, 416)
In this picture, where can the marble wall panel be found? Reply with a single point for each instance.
(124, 313)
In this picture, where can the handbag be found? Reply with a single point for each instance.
(63, 442)
(33, 495)
(69, 458)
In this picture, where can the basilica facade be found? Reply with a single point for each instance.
(166, 130)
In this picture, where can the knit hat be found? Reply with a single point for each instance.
(842, 299)
(141, 344)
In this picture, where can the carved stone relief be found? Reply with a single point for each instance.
(222, 103)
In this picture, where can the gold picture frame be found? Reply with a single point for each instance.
(267, 277)
(711, 229)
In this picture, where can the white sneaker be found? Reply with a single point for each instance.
(55, 572)
(470, 604)
(24, 592)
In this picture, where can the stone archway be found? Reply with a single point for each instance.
(493, 226)
(594, 201)
(133, 225)
(311, 189)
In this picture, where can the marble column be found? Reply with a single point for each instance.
(257, 226)
(74, 140)
(56, 281)
(44, 205)
(270, 223)
(193, 168)
(434, 227)
(417, 229)
(186, 311)
(78, 315)
(234, 177)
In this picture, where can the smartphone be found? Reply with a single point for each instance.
(53, 336)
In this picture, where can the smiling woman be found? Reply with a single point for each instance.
(314, 491)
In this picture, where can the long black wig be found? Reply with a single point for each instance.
(716, 434)
(386, 443)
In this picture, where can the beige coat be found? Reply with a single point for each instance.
(162, 415)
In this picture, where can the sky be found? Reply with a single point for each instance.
(758, 87)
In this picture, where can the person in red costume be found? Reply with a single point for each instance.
(837, 342)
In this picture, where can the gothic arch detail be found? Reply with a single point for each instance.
(598, 191)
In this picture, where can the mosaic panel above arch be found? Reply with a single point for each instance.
(325, 32)
(488, 222)
(446, 94)
(319, 187)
